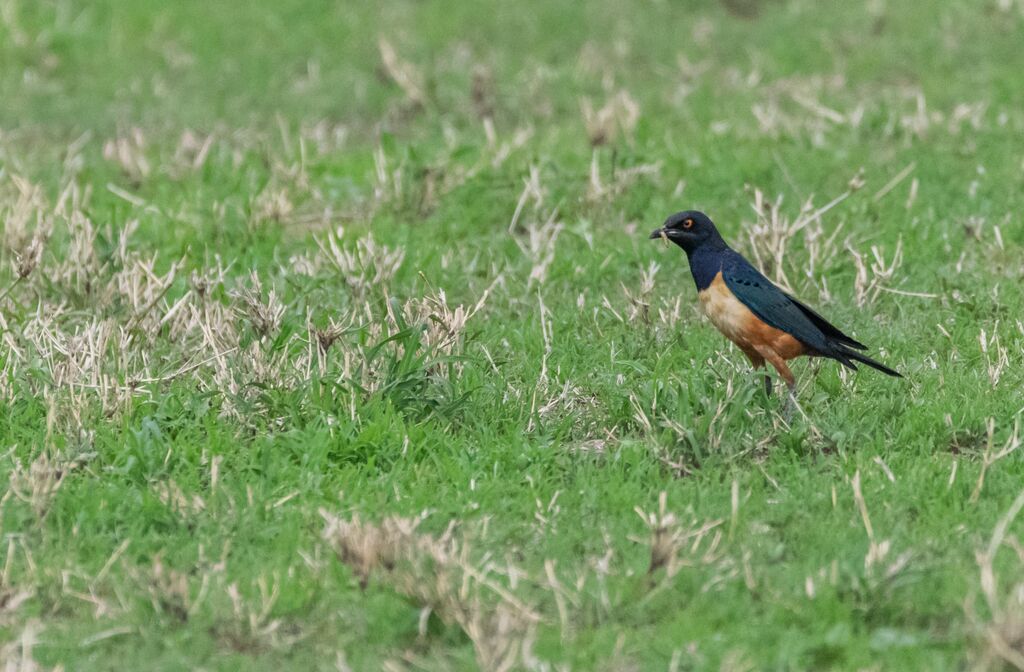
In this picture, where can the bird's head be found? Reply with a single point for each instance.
(689, 230)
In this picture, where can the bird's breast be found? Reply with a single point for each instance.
(741, 326)
(725, 311)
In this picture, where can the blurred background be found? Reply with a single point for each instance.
(789, 96)
(707, 88)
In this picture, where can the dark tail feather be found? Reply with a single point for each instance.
(826, 327)
(863, 359)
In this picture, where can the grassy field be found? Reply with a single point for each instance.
(332, 338)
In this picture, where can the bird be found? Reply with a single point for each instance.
(765, 322)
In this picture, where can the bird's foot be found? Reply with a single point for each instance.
(767, 385)
(790, 404)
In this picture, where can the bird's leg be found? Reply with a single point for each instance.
(790, 403)
(758, 363)
(779, 364)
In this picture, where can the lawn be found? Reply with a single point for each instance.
(332, 338)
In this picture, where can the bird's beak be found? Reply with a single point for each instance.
(662, 233)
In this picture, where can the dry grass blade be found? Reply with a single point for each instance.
(402, 73)
(174, 498)
(894, 182)
(274, 205)
(620, 113)
(364, 266)
(28, 258)
(539, 247)
(444, 325)
(992, 456)
(997, 357)
(621, 178)
(26, 218)
(774, 234)
(1001, 632)
(17, 654)
(329, 335)
(37, 484)
(264, 313)
(877, 550)
(439, 573)
(640, 301)
(874, 276)
(674, 545)
(128, 151)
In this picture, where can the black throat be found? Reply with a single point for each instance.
(706, 262)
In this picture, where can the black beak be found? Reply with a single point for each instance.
(657, 233)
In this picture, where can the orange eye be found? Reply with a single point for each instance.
(688, 224)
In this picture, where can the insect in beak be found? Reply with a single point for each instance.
(664, 236)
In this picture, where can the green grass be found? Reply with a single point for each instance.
(179, 457)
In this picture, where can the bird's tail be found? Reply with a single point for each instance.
(864, 359)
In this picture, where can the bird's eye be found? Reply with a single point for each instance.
(688, 224)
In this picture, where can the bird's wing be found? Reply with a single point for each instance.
(773, 306)
(827, 327)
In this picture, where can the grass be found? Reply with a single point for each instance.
(333, 339)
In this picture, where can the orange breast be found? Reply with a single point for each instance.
(739, 324)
